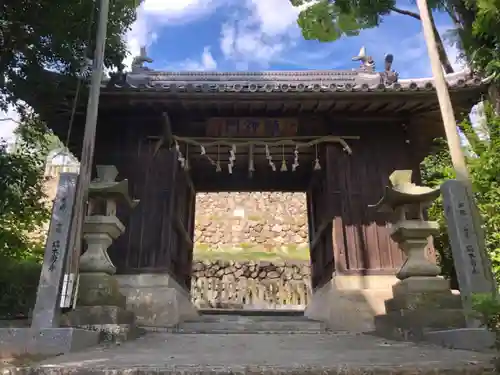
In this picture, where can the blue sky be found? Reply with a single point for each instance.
(228, 35)
(236, 35)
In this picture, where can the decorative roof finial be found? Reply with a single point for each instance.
(389, 76)
(367, 63)
(138, 61)
(388, 62)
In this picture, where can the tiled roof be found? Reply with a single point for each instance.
(322, 81)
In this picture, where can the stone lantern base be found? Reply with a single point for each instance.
(101, 307)
(100, 304)
(420, 305)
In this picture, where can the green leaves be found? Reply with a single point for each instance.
(23, 206)
(328, 21)
(484, 166)
(478, 23)
(487, 310)
(325, 22)
(43, 34)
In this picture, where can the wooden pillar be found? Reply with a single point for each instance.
(168, 235)
(334, 158)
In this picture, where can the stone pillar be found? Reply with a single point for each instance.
(100, 305)
(422, 300)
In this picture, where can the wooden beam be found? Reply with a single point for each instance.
(207, 180)
(317, 235)
(167, 130)
(189, 181)
(166, 139)
(182, 231)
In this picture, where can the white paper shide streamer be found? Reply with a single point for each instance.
(295, 159)
(180, 157)
(269, 158)
(232, 158)
(250, 145)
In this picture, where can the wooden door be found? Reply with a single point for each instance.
(320, 230)
(182, 222)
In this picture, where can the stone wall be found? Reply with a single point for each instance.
(226, 221)
(268, 221)
(247, 285)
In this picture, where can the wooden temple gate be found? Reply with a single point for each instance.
(346, 237)
(389, 124)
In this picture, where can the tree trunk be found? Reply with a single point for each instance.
(494, 96)
(443, 56)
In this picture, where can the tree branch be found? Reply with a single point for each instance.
(453, 16)
(405, 12)
(445, 62)
(10, 119)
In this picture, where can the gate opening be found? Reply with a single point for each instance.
(251, 251)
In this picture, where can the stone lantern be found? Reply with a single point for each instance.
(410, 230)
(100, 305)
(101, 225)
(422, 300)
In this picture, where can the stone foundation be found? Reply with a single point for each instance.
(251, 285)
(156, 299)
(102, 308)
(350, 303)
(420, 305)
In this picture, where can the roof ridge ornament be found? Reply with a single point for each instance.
(138, 61)
(389, 76)
(367, 63)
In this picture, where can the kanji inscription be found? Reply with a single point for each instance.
(252, 127)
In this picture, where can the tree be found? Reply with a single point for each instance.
(37, 36)
(329, 20)
(478, 36)
(23, 208)
(484, 163)
(44, 140)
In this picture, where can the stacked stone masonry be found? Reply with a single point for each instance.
(247, 285)
(237, 220)
(257, 219)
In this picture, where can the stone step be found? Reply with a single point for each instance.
(414, 324)
(260, 327)
(414, 301)
(247, 324)
(115, 333)
(255, 318)
(253, 312)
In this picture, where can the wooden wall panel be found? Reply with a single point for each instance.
(150, 243)
(361, 236)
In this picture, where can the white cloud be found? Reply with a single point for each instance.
(206, 63)
(262, 32)
(262, 35)
(153, 14)
(244, 44)
(413, 54)
(7, 127)
(275, 17)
